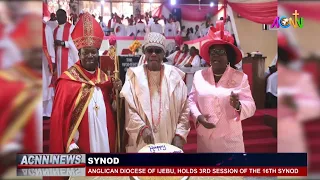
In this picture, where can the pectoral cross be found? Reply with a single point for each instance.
(96, 108)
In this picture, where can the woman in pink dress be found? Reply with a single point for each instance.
(220, 97)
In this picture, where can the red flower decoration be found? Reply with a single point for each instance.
(112, 40)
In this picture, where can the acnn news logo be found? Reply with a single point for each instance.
(286, 22)
(51, 164)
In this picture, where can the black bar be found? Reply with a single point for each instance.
(217, 159)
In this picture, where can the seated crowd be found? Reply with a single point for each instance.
(141, 24)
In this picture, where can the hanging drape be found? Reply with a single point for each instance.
(158, 12)
(307, 10)
(192, 12)
(45, 9)
(259, 11)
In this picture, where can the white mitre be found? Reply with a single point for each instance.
(160, 148)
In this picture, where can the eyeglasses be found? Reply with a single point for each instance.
(151, 51)
(217, 52)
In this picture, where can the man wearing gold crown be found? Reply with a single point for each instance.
(82, 119)
(156, 100)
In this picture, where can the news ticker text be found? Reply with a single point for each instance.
(165, 171)
(163, 159)
(161, 164)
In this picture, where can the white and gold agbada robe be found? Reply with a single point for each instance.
(175, 110)
(142, 60)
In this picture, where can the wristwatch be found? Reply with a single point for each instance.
(197, 122)
(62, 43)
(239, 109)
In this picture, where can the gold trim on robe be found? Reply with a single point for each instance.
(21, 118)
(81, 106)
(26, 101)
(86, 91)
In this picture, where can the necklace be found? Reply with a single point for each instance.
(218, 75)
(96, 107)
(156, 125)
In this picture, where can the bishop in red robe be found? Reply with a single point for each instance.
(82, 119)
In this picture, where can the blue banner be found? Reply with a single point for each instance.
(196, 160)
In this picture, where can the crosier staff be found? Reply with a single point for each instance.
(113, 55)
(116, 76)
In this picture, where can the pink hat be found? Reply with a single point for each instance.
(219, 37)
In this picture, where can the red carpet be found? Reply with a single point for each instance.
(258, 137)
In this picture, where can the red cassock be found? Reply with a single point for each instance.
(19, 117)
(70, 109)
(20, 94)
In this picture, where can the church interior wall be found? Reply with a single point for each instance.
(254, 38)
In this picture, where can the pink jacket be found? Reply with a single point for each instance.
(208, 98)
